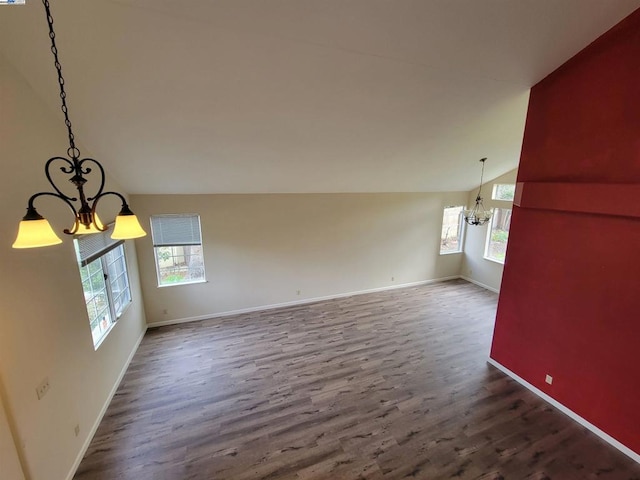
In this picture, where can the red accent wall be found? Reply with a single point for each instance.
(570, 297)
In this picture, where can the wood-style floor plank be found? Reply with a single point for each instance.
(383, 386)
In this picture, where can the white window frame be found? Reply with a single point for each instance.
(461, 230)
(487, 243)
(114, 281)
(170, 237)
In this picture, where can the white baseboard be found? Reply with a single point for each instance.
(570, 413)
(495, 290)
(228, 313)
(95, 426)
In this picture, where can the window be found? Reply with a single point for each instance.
(177, 243)
(498, 235)
(451, 237)
(105, 282)
(503, 191)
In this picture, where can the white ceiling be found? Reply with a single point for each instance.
(233, 96)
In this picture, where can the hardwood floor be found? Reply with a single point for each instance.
(387, 385)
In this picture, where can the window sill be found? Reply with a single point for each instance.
(182, 283)
(450, 253)
(124, 309)
(104, 337)
(500, 262)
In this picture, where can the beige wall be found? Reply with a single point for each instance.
(10, 468)
(475, 267)
(261, 249)
(44, 328)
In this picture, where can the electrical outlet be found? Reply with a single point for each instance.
(165, 311)
(297, 292)
(76, 430)
(393, 279)
(548, 379)
(43, 388)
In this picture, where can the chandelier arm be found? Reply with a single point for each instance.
(94, 205)
(74, 230)
(64, 198)
(120, 196)
(87, 170)
(31, 209)
(71, 169)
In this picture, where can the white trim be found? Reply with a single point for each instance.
(177, 284)
(228, 313)
(489, 259)
(104, 335)
(570, 413)
(495, 290)
(96, 424)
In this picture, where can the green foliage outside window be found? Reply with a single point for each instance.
(503, 191)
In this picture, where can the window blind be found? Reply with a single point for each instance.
(92, 246)
(174, 230)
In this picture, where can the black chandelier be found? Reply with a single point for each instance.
(34, 230)
(478, 215)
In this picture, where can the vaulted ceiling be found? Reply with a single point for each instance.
(238, 96)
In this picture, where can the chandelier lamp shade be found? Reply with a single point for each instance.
(34, 230)
(478, 215)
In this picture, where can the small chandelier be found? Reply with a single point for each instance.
(34, 230)
(478, 215)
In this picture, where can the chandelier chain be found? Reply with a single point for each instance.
(481, 176)
(73, 151)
